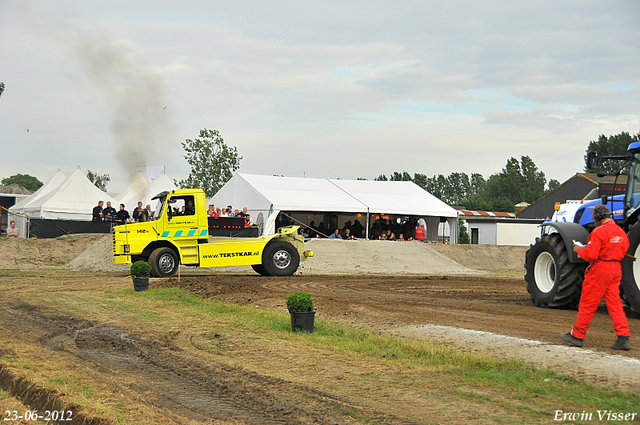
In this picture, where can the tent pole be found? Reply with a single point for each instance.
(366, 229)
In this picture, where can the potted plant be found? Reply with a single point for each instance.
(300, 307)
(140, 271)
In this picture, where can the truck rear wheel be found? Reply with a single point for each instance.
(553, 281)
(164, 262)
(280, 259)
(630, 283)
(259, 268)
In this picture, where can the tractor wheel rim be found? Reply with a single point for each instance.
(545, 272)
(636, 268)
(281, 259)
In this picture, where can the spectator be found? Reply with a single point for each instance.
(149, 212)
(357, 229)
(312, 229)
(420, 233)
(230, 211)
(347, 234)
(189, 209)
(136, 211)
(322, 230)
(211, 211)
(109, 213)
(144, 215)
(224, 213)
(236, 213)
(335, 235)
(392, 237)
(12, 231)
(123, 215)
(218, 212)
(97, 212)
(243, 213)
(247, 220)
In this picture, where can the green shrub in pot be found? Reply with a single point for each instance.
(140, 269)
(300, 302)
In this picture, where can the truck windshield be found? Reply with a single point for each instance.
(158, 211)
(632, 196)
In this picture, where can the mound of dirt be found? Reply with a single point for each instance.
(34, 253)
(92, 252)
(485, 257)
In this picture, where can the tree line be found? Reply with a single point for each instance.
(519, 181)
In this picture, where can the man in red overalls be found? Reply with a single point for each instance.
(606, 246)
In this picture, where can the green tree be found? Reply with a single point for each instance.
(381, 178)
(24, 180)
(400, 177)
(212, 162)
(1, 88)
(610, 146)
(99, 180)
(553, 184)
(463, 233)
(517, 182)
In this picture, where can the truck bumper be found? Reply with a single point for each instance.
(121, 259)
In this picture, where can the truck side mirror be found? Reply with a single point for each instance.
(592, 160)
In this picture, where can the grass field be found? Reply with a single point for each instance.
(414, 381)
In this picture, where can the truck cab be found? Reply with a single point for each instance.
(179, 234)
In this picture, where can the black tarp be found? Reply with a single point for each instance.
(231, 227)
(42, 228)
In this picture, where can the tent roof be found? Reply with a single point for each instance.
(76, 195)
(332, 195)
(139, 183)
(50, 185)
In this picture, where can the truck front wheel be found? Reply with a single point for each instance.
(164, 262)
(280, 259)
(553, 281)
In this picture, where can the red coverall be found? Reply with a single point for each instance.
(419, 233)
(606, 246)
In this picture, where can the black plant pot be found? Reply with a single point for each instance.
(141, 283)
(302, 321)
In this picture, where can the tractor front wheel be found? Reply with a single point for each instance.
(553, 281)
(630, 283)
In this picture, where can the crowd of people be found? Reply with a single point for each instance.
(381, 229)
(121, 216)
(230, 212)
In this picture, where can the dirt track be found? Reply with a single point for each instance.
(108, 351)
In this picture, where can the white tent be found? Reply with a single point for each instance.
(160, 184)
(74, 199)
(266, 196)
(129, 196)
(52, 184)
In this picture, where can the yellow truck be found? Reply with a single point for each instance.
(179, 234)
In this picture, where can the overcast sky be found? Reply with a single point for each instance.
(341, 89)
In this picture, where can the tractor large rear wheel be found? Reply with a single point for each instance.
(630, 283)
(553, 281)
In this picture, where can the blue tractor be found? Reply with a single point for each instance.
(554, 273)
